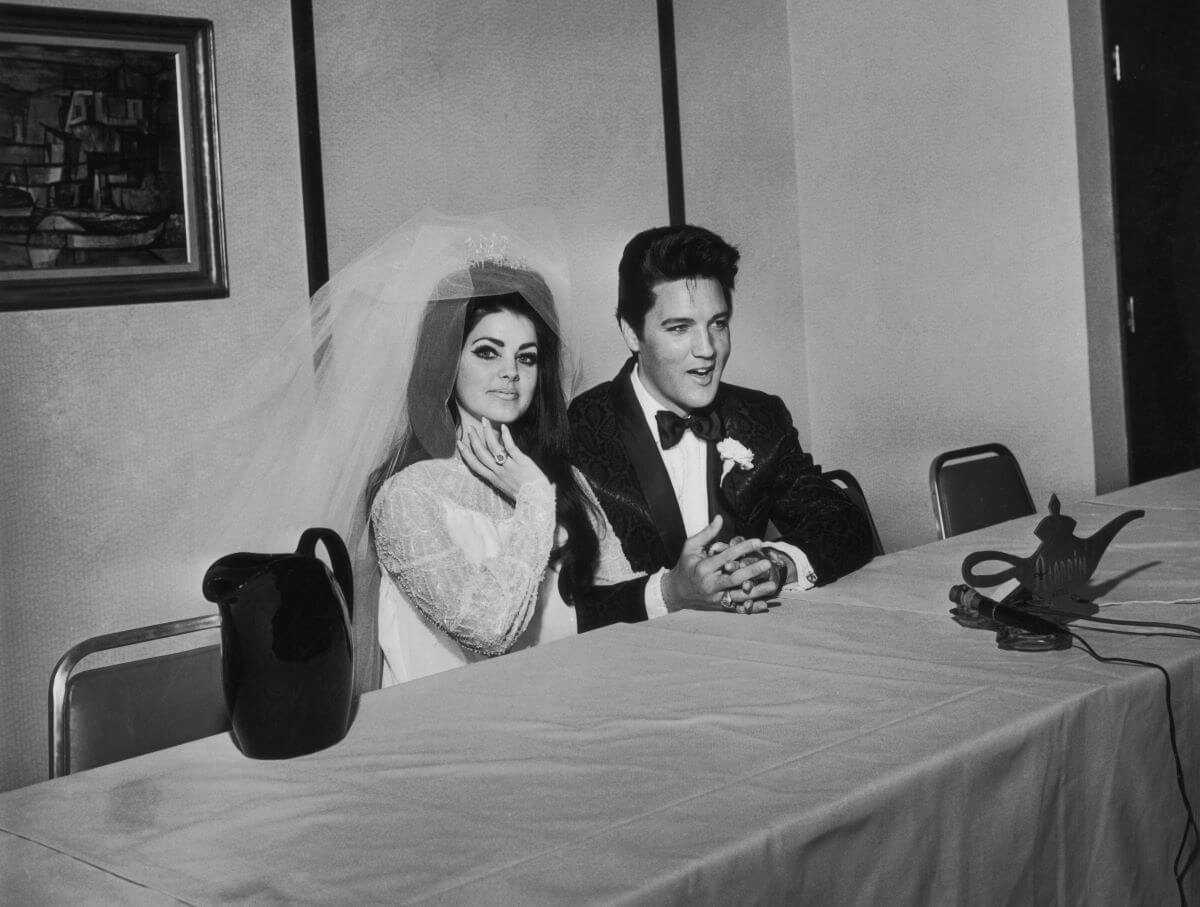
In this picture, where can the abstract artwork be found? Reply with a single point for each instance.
(109, 165)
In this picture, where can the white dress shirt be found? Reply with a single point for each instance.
(686, 463)
(687, 467)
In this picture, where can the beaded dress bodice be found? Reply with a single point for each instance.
(472, 567)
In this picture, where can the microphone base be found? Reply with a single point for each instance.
(1011, 639)
(1016, 630)
(1014, 639)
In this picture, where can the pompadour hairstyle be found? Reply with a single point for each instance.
(663, 254)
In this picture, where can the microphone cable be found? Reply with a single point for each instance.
(1118, 632)
(1042, 620)
(1190, 823)
(1184, 629)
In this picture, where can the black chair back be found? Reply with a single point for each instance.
(850, 485)
(978, 486)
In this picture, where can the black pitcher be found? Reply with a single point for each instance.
(286, 646)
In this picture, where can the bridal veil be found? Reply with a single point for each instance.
(327, 401)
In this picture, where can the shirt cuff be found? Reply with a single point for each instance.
(805, 577)
(656, 606)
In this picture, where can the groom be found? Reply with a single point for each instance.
(687, 468)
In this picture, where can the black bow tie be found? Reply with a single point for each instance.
(705, 426)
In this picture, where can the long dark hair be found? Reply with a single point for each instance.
(542, 432)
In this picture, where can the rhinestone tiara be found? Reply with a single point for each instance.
(492, 248)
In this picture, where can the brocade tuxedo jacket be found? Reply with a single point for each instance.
(613, 447)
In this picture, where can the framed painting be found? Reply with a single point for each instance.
(110, 178)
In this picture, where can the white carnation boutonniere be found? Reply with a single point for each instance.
(734, 453)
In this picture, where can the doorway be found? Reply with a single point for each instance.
(1154, 90)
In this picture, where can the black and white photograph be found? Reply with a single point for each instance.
(640, 452)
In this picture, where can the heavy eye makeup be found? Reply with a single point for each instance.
(526, 357)
(485, 351)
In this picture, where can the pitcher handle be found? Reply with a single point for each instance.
(338, 555)
(989, 579)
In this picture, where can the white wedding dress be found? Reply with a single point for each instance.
(465, 574)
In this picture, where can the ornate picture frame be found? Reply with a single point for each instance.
(110, 178)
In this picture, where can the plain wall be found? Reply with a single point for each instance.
(739, 177)
(942, 246)
(96, 403)
(486, 105)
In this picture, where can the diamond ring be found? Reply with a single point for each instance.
(501, 457)
(727, 601)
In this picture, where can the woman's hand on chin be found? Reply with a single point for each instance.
(496, 458)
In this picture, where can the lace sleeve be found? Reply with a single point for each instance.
(475, 577)
(612, 567)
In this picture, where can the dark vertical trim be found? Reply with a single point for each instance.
(670, 102)
(312, 180)
(1108, 40)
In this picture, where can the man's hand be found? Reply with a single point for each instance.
(701, 581)
(781, 570)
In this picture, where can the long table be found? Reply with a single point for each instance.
(854, 745)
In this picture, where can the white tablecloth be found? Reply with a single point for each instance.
(852, 746)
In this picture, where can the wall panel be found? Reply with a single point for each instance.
(96, 402)
(481, 106)
(942, 241)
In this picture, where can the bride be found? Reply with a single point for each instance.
(477, 518)
(417, 407)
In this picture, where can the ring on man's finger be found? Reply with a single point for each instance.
(727, 601)
(501, 457)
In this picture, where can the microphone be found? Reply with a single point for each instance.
(973, 604)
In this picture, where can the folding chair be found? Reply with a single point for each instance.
(978, 486)
(850, 485)
(123, 710)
